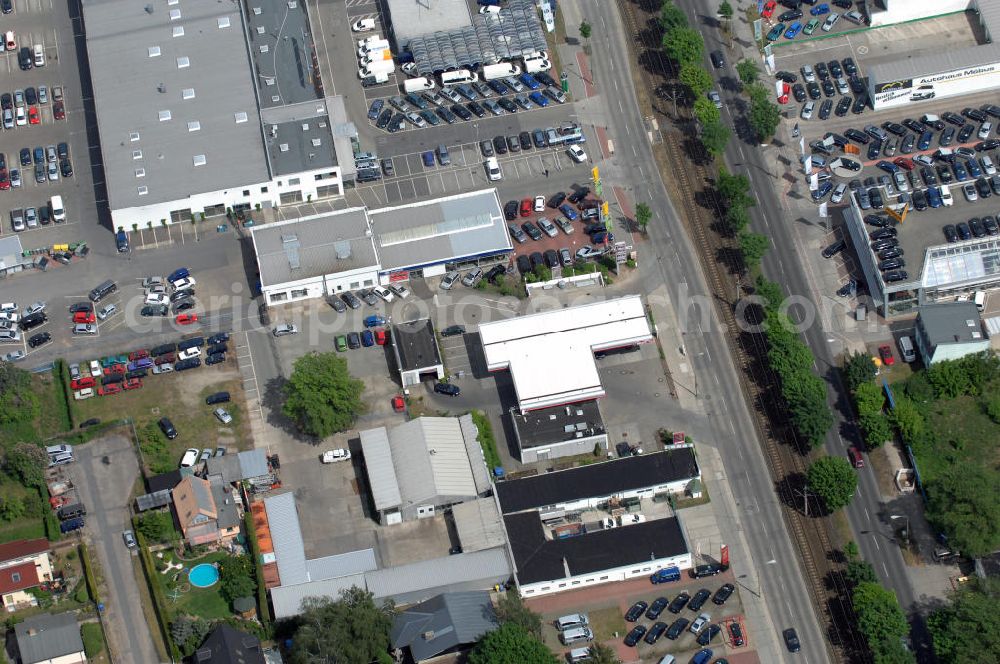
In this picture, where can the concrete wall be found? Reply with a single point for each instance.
(643, 569)
(314, 287)
(566, 448)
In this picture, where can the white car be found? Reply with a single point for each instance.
(586, 252)
(189, 353)
(34, 308)
(539, 204)
(157, 298)
(970, 192)
(401, 291)
(339, 454)
(184, 284)
(85, 393)
(577, 154)
(830, 21)
(9, 317)
(363, 25)
(223, 415)
(20, 119)
(84, 328)
(283, 329)
(14, 357)
(95, 368)
(449, 280)
(493, 169)
(166, 367)
(8, 307)
(838, 193)
(383, 293)
(190, 457)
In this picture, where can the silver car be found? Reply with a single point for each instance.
(514, 84)
(84, 328)
(449, 280)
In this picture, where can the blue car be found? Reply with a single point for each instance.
(374, 321)
(569, 212)
(375, 109)
(934, 197)
(960, 173)
(178, 274)
(529, 81)
(819, 10)
(973, 168)
(821, 192)
(925, 140)
(428, 158)
(539, 99)
(887, 166)
(367, 338)
(793, 30)
(602, 237)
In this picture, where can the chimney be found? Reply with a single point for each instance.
(428, 635)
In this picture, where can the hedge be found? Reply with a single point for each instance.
(93, 639)
(60, 372)
(486, 440)
(88, 573)
(156, 592)
(264, 611)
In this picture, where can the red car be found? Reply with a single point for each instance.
(105, 390)
(4, 179)
(186, 319)
(527, 207)
(904, 162)
(380, 336)
(398, 404)
(769, 8)
(59, 110)
(81, 383)
(138, 354)
(33, 116)
(116, 368)
(885, 352)
(166, 358)
(84, 317)
(133, 383)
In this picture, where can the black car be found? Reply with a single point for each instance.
(944, 173)
(217, 397)
(875, 196)
(799, 92)
(24, 59)
(552, 258)
(635, 611)
(718, 61)
(462, 112)
(991, 144)
(532, 230)
(476, 109)
(66, 167)
(579, 195)
(787, 77)
(223, 347)
(507, 104)
(892, 252)
(877, 220)
(190, 363)
(634, 635)
(843, 106)
(525, 139)
(991, 226)
(963, 230)
(538, 136)
(34, 320)
(857, 85)
(891, 264)
(510, 210)
(825, 108)
(453, 330)
(500, 144)
(38, 339)
(25, 157)
(167, 427)
(723, 594)
(351, 300)
(163, 349)
(898, 275)
(368, 297)
(708, 634)
(215, 358)
(108, 379)
(849, 288)
(919, 200)
(971, 113)
(558, 199)
(843, 4)
(894, 128)
(703, 571)
(497, 86)
(791, 640)
(953, 118)
(77, 307)
(983, 186)
(883, 233)
(790, 15)
(513, 145)
(699, 599)
(677, 628)
(447, 389)
(965, 132)
(927, 175)
(813, 90)
(874, 150)
(849, 67)
(887, 243)
(183, 294)
(397, 123)
(656, 608)
(822, 71)
(858, 136)
(976, 226)
(545, 79)
(523, 264)
(655, 632)
(835, 69)
(860, 104)
(914, 126)
(154, 310)
(834, 249)
(678, 603)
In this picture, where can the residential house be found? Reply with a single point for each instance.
(447, 623)
(225, 645)
(206, 512)
(24, 564)
(50, 639)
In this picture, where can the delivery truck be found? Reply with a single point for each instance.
(367, 46)
(375, 68)
(501, 70)
(375, 56)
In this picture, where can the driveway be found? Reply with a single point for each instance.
(105, 488)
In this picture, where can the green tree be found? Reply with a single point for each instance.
(966, 629)
(737, 219)
(876, 429)
(833, 480)
(725, 10)
(602, 654)
(157, 526)
(859, 571)
(684, 45)
(672, 16)
(764, 115)
(352, 629)
(753, 246)
(892, 651)
(858, 369)
(27, 462)
(510, 643)
(696, 78)
(512, 609)
(238, 578)
(949, 379)
(18, 403)
(321, 396)
(714, 137)
(734, 189)
(992, 408)
(908, 420)
(585, 30)
(851, 550)
(880, 617)
(705, 111)
(11, 508)
(964, 502)
(748, 71)
(642, 215)
(188, 633)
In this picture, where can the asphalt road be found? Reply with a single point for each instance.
(674, 263)
(866, 513)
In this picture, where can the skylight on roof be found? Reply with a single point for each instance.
(194, 125)
(283, 147)
(154, 51)
(178, 31)
(165, 115)
(175, 14)
(183, 62)
(140, 172)
(133, 136)
(223, 22)
(143, 190)
(137, 154)
(241, 117)
(199, 160)
(187, 93)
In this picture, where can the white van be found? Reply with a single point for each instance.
(571, 621)
(58, 211)
(458, 77)
(906, 350)
(979, 297)
(575, 635)
(418, 84)
(373, 45)
(578, 655)
(500, 70)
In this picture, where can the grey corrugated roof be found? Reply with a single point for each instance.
(286, 534)
(46, 636)
(227, 516)
(379, 469)
(443, 229)
(430, 459)
(326, 243)
(480, 473)
(478, 524)
(227, 467)
(951, 322)
(151, 500)
(945, 59)
(127, 84)
(450, 618)
(287, 600)
(342, 564)
(253, 463)
(438, 573)
(411, 18)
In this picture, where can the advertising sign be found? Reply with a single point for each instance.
(933, 86)
(621, 252)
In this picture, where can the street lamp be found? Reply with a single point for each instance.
(906, 526)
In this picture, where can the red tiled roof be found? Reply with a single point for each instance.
(21, 548)
(18, 577)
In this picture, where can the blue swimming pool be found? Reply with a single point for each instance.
(203, 575)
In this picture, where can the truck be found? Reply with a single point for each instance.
(500, 70)
(121, 239)
(367, 46)
(418, 84)
(567, 134)
(375, 56)
(375, 68)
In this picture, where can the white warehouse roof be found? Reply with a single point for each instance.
(550, 355)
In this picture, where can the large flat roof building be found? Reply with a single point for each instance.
(178, 94)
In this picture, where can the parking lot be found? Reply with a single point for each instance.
(46, 24)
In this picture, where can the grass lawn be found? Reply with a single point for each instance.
(180, 397)
(967, 435)
(204, 602)
(93, 641)
(50, 420)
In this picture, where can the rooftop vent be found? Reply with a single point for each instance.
(140, 172)
(290, 243)
(316, 142)
(164, 115)
(970, 323)
(264, 48)
(137, 154)
(161, 88)
(260, 30)
(194, 125)
(133, 136)
(149, 9)
(183, 62)
(283, 147)
(175, 14)
(305, 126)
(256, 11)
(268, 80)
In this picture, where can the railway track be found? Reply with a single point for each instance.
(719, 256)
